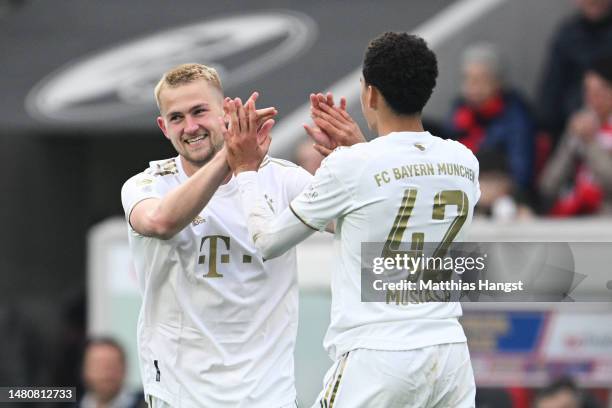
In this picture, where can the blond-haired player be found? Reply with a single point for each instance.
(396, 188)
(217, 325)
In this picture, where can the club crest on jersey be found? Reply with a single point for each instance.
(198, 220)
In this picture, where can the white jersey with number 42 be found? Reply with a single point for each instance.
(217, 325)
(402, 187)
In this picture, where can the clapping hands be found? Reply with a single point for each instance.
(247, 136)
(333, 126)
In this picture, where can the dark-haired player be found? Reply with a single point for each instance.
(404, 186)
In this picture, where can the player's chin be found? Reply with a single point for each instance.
(201, 156)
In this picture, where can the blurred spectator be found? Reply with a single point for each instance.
(562, 393)
(500, 198)
(491, 116)
(578, 41)
(578, 178)
(104, 369)
(307, 157)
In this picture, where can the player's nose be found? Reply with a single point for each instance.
(191, 125)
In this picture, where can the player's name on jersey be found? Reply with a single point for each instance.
(424, 169)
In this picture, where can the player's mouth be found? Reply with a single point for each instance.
(194, 141)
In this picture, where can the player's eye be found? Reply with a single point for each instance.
(175, 118)
(199, 111)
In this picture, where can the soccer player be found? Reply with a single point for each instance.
(404, 186)
(217, 325)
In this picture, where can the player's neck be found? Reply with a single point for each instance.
(389, 123)
(188, 167)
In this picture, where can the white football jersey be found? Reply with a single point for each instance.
(369, 188)
(217, 325)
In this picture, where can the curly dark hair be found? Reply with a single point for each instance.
(403, 69)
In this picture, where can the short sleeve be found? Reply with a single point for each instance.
(324, 199)
(140, 187)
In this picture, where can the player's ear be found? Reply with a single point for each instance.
(372, 97)
(162, 126)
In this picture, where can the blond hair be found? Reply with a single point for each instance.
(184, 74)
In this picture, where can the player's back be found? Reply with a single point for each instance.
(405, 180)
(405, 189)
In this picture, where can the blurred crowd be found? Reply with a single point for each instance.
(550, 156)
(103, 385)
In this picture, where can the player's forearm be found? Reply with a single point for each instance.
(179, 207)
(273, 235)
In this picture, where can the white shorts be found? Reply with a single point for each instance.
(430, 377)
(157, 403)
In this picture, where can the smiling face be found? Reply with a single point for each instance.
(189, 118)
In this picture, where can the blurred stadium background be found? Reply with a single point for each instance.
(77, 120)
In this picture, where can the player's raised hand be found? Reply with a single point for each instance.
(332, 122)
(323, 143)
(325, 109)
(328, 99)
(317, 134)
(263, 115)
(264, 121)
(245, 150)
